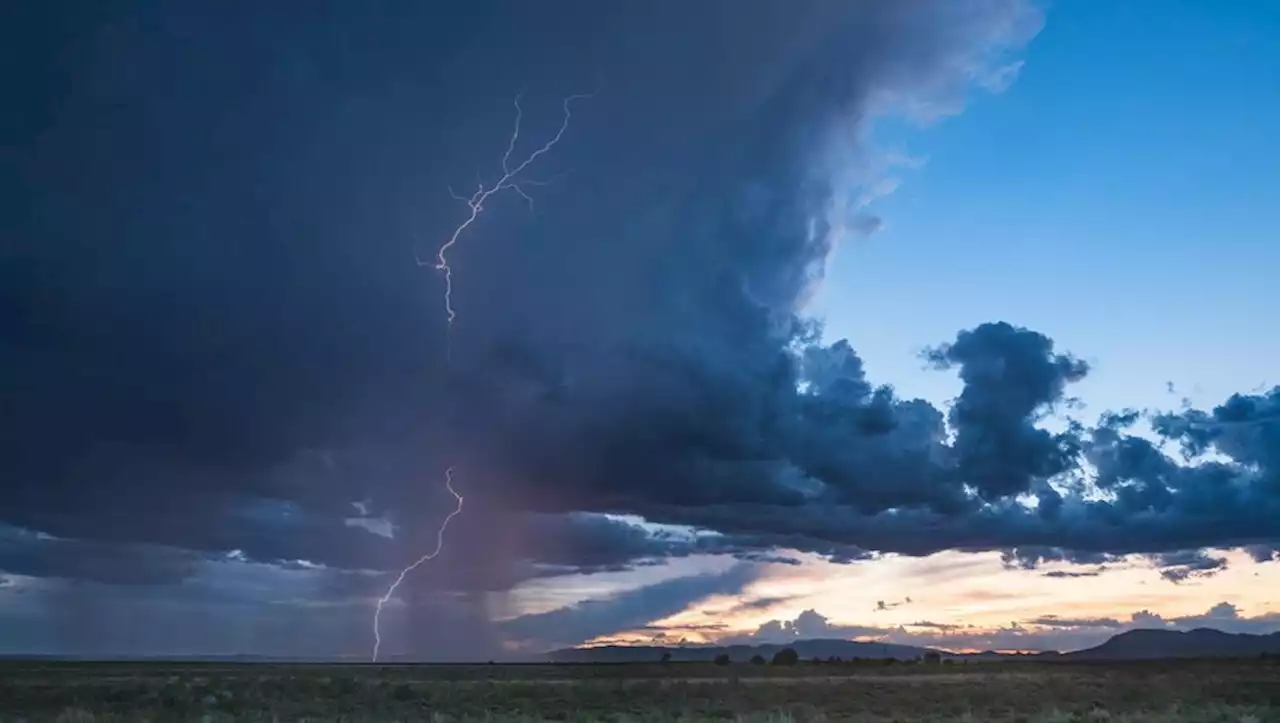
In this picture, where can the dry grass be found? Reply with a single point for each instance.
(1226, 692)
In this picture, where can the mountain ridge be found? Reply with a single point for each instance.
(1138, 644)
(1154, 643)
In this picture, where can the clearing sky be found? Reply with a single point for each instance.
(928, 321)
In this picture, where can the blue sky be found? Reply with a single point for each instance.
(1118, 197)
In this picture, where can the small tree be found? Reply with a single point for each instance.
(933, 657)
(757, 659)
(786, 656)
(722, 659)
(666, 656)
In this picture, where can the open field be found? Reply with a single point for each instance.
(1238, 692)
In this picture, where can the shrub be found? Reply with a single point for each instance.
(757, 659)
(722, 659)
(786, 656)
(403, 692)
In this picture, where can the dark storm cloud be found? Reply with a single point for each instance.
(882, 606)
(1074, 573)
(763, 603)
(1010, 376)
(1029, 557)
(625, 610)
(1141, 500)
(219, 339)
(930, 625)
(1053, 621)
(1263, 553)
(1181, 565)
(587, 542)
(26, 553)
(218, 328)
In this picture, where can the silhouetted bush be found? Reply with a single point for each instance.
(786, 656)
(757, 659)
(404, 692)
(722, 659)
(933, 657)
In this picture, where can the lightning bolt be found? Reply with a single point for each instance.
(511, 180)
(391, 591)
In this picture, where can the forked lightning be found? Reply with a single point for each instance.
(512, 180)
(391, 591)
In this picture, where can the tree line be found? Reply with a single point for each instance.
(789, 656)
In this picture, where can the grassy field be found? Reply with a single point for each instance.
(1239, 692)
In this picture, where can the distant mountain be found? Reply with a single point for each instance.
(1198, 643)
(1131, 645)
(807, 649)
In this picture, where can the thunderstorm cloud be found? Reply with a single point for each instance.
(222, 362)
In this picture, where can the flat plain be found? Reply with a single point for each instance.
(1246, 691)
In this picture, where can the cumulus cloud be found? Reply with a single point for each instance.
(808, 625)
(1045, 633)
(1226, 617)
(1066, 633)
(221, 344)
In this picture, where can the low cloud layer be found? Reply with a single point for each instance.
(1051, 632)
(222, 351)
(632, 609)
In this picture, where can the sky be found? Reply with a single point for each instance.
(932, 322)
